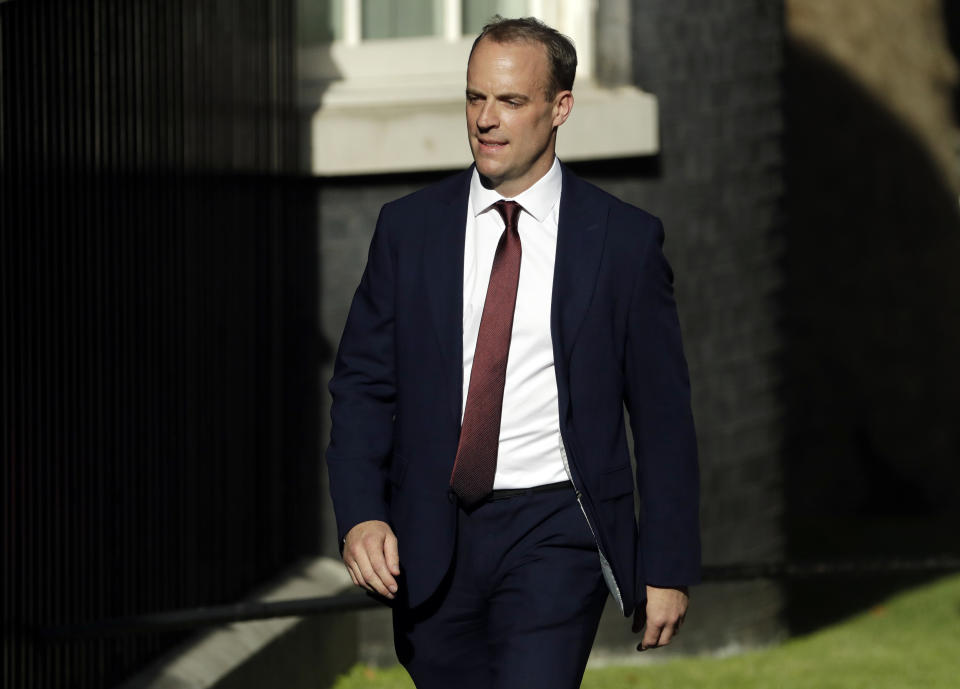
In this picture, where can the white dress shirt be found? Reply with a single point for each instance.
(529, 453)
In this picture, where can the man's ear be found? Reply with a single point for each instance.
(562, 105)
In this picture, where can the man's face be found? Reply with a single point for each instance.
(510, 122)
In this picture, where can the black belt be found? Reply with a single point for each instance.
(504, 493)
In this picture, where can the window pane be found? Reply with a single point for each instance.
(476, 13)
(319, 21)
(392, 19)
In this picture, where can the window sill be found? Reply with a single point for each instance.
(357, 129)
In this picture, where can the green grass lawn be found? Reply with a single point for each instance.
(910, 641)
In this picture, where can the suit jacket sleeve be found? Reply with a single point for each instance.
(363, 390)
(658, 401)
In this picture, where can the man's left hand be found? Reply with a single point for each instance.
(665, 610)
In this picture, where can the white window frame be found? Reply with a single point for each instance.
(394, 105)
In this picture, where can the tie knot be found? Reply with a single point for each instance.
(509, 211)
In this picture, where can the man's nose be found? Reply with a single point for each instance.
(487, 117)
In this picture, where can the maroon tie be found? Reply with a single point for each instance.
(476, 463)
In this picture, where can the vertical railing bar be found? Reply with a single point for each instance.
(97, 163)
(85, 536)
(41, 671)
(352, 21)
(57, 366)
(452, 20)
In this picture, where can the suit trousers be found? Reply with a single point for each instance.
(520, 605)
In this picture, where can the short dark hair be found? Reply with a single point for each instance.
(561, 54)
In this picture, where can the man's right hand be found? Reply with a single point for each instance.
(371, 556)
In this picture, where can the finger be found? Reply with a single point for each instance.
(392, 553)
(358, 576)
(371, 577)
(353, 576)
(355, 552)
(383, 573)
(666, 635)
(651, 636)
(357, 569)
(382, 580)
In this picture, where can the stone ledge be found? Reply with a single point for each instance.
(291, 652)
(352, 133)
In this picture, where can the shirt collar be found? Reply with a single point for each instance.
(538, 200)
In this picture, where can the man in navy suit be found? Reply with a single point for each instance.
(480, 471)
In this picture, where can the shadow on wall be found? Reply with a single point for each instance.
(871, 372)
(951, 22)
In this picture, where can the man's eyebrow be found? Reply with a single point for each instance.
(500, 96)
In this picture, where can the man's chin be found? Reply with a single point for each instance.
(490, 175)
(487, 181)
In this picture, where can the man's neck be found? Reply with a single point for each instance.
(513, 188)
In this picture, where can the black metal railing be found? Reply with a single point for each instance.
(156, 320)
(191, 618)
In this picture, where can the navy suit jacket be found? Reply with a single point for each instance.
(397, 386)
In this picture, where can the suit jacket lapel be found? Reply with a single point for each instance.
(580, 237)
(443, 276)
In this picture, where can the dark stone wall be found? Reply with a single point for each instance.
(347, 213)
(717, 184)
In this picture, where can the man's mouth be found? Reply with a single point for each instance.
(490, 144)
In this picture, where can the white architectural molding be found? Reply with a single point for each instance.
(397, 105)
(403, 128)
